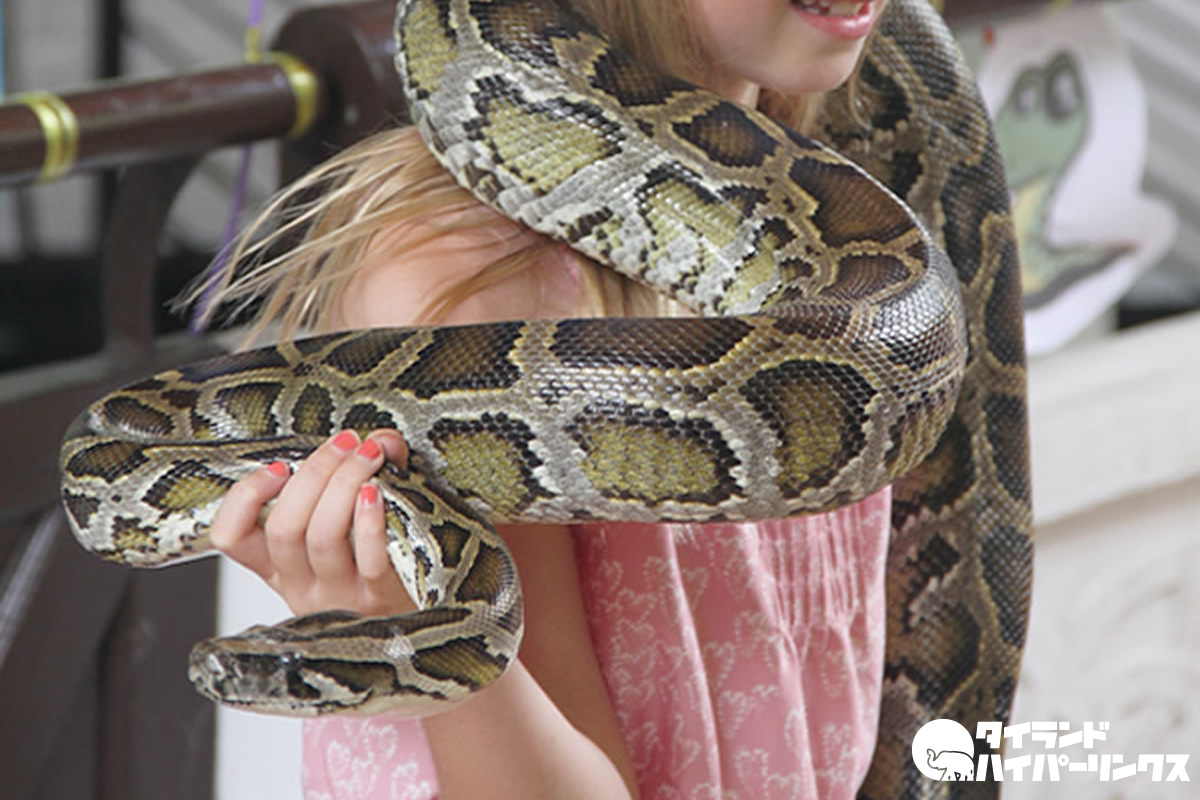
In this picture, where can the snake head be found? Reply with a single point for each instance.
(280, 670)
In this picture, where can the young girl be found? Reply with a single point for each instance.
(659, 661)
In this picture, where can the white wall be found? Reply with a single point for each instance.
(1115, 633)
(257, 757)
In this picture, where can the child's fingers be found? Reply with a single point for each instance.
(323, 517)
(329, 548)
(395, 449)
(370, 553)
(235, 530)
(288, 523)
(370, 538)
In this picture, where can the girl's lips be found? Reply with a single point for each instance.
(838, 18)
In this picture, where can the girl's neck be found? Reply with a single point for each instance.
(733, 88)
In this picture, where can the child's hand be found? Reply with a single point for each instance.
(322, 545)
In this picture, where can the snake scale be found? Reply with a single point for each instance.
(852, 332)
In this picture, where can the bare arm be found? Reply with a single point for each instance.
(546, 729)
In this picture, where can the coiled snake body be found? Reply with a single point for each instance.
(849, 339)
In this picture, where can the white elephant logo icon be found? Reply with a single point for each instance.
(943, 750)
(953, 765)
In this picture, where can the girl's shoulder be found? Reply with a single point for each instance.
(482, 269)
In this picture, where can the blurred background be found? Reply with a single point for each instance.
(1096, 109)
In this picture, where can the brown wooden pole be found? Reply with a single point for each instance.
(351, 45)
(128, 123)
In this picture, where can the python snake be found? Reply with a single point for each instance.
(859, 326)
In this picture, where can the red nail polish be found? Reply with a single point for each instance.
(278, 469)
(345, 441)
(369, 495)
(369, 449)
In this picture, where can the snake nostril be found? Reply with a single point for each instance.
(211, 672)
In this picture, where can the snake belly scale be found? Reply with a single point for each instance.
(859, 326)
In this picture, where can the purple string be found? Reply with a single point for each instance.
(199, 322)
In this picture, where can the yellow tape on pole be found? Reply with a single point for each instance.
(60, 129)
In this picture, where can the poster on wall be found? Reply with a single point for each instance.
(1070, 120)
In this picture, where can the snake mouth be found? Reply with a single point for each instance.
(221, 676)
(273, 683)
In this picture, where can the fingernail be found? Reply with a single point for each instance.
(369, 449)
(278, 469)
(345, 441)
(369, 495)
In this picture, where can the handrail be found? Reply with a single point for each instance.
(323, 79)
(134, 122)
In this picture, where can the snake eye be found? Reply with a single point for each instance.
(298, 686)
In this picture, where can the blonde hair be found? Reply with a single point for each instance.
(320, 229)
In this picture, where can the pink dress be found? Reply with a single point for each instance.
(743, 661)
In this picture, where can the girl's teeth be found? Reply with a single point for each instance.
(831, 8)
